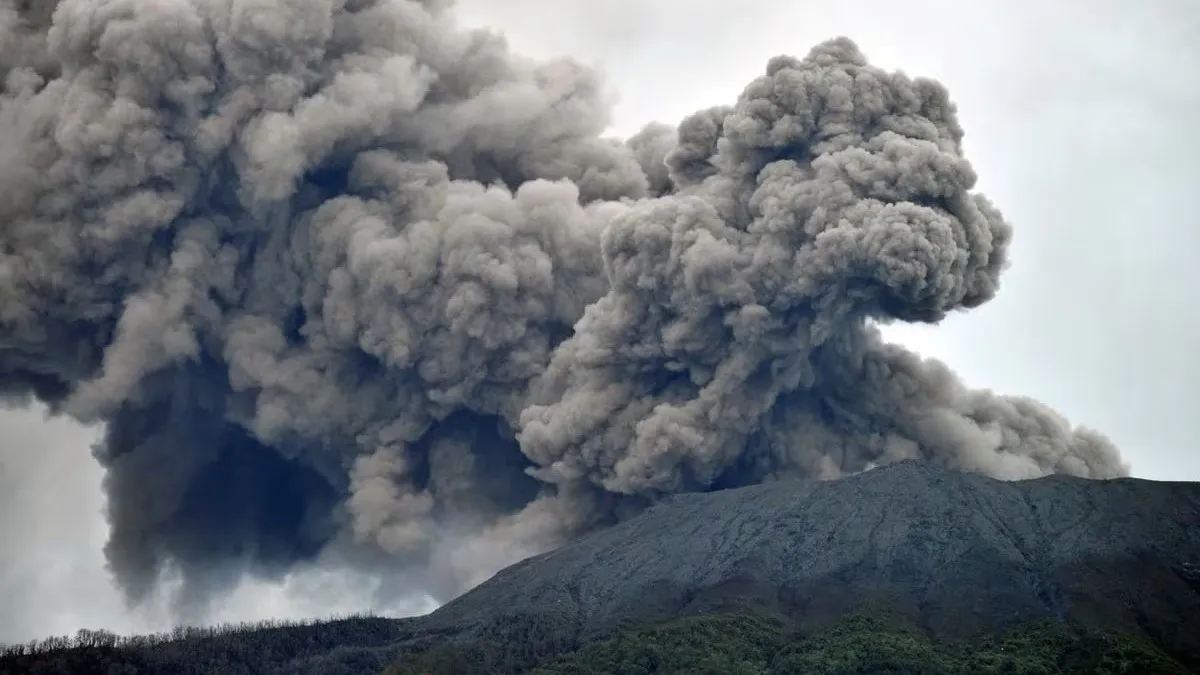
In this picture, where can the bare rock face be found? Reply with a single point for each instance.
(957, 553)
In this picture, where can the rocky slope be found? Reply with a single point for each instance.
(947, 559)
(955, 553)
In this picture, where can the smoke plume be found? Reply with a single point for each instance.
(343, 279)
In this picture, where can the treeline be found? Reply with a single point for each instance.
(757, 644)
(743, 643)
(102, 639)
(351, 644)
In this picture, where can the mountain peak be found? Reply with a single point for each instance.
(955, 552)
(896, 567)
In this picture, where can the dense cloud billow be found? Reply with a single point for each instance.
(343, 279)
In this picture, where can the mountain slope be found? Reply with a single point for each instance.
(906, 566)
(954, 553)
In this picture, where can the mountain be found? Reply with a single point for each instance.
(940, 565)
(956, 552)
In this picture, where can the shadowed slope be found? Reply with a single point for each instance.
(905, 564)
(956, 553)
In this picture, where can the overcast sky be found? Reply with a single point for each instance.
(1078, 118)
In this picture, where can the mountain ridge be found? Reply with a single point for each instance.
(944, 567)
(804, 545)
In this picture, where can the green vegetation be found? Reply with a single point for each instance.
(352, 645)
(514, 645)
(743, 643)
(715, 645)
(756, 644)
(861, 645)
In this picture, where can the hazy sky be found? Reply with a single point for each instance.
(1077, 117)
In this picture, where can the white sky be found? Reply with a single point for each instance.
(1077, 116)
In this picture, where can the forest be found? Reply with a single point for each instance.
(353, 644)
(744, 642)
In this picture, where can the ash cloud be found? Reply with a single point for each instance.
(346, 281)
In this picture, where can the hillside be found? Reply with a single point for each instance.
(951, 570)
(932, 544)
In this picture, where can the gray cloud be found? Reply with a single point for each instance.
(348, 282)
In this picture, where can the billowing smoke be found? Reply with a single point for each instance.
(345, 280)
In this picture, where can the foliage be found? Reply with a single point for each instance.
(752, 643)
(1050, 647)
(513, 644)
(709, 645)
(747, 642)
(350, 645)
(865, 645)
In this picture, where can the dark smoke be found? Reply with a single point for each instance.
(343, 279)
